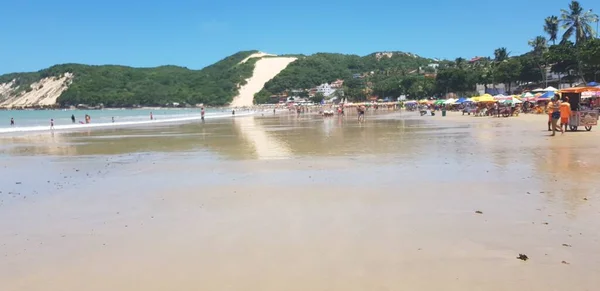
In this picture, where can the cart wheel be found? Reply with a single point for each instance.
(588, 128)
(573, 128)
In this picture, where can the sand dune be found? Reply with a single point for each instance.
(265, 69)
(43, 93)
(257, 55)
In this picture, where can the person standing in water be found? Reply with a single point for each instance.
(51, 124)
(12, 121)
(233, 112)
(361, 113)
(151, 117)
(113, 119)
(202, 113)
(73, 118)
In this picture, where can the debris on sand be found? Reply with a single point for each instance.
(523, 257)
(585, 199)
(565, 263)
(478, 212)
(566, 245)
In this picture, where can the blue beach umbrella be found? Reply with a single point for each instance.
(549, 94)
(593, 84)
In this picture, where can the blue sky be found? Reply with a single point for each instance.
(37, 34)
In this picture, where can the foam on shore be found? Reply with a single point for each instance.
(79, 126)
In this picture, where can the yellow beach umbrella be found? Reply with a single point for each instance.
(474, 99)
(486, 98)
(423, 101)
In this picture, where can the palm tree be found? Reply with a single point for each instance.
(501, 54)
(551, 27)
(539, 45)
(576, 21)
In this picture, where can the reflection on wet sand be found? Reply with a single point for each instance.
(303, 203)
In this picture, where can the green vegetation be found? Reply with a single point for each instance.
(310, 71)
(120, 86)
(409, 75)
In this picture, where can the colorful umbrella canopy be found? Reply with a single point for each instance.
(450, 101)
(486, 98)
(549, 94)
(527, 95)
(502, 97)
(537, 90)
(550, 89)
(461, 100)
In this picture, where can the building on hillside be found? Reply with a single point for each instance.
(337, 84)
(434, 66)
(325, 89)
(356, 76)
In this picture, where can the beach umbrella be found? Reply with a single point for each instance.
(486, 98)
(537, 90)
(593, 84)
(527, 95)
(550, 89)
(450, 101)
(502, 97)
(549, 94)
(461, 100)
(513, 100)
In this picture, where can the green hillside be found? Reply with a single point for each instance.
(120, 86)
(313, 70)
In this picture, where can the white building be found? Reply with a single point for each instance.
(325, 89)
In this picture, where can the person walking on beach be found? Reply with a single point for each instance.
(202, 113)
(361, 113)
(12, 121)
(549, 107)
(565, 113)
(151, 117)
(232, 112)
(73, 118)
(113, 119)
(51, 124)
(555, 116)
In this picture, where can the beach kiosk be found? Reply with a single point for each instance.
(581, 117)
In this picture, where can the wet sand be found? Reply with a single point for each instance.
(286, 203)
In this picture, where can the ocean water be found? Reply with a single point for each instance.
(35, 120)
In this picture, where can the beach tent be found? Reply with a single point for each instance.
(550, 89)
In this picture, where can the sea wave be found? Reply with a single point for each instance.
(79, 126)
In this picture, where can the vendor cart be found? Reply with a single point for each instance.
(580, 117)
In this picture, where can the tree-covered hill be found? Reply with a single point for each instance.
(313, 70)
(120, 86)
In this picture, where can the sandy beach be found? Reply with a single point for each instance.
(277, 202)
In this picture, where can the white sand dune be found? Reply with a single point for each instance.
(257, 55)
(265, 69)
(43, 93)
